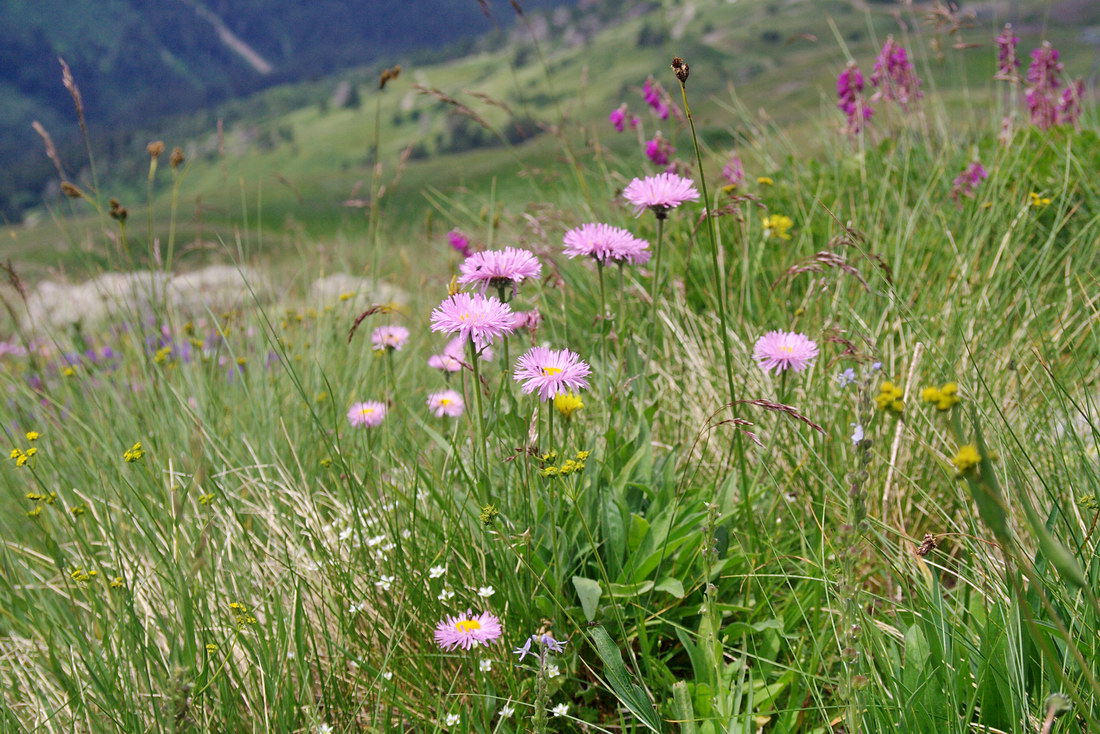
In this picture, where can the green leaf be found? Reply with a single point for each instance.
(622, 684)
(682, 708)
(589, 592)
(671, 586)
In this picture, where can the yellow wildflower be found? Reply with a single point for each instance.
(890, 398)
(1038, 201)
(134, 453)
(33, 435)
(567, 404)
(777, 225)
(967, 458)
(764, 181)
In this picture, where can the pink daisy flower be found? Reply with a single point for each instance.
(389, 337)
(445, 362)
(467, 630)
(446, 403)
(660, 193)
(474, 318)
(551, 371)
(604, 243)
(368, 414)
(499, 268)
(782, 350)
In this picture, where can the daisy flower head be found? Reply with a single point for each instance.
(369, 414)
(474, 318)
(446, 403)
(660, 193)
(467, 630)
(389, 337)
(551, 371)
(604, 243)
(499, 269)
(783, 350)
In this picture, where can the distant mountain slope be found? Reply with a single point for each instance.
(138, 60)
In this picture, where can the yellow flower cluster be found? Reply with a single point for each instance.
(567, 404)
(241, 614)
(966, 458)
(944, 398)
(163, 355)
(82, 576)
(889, 398)
(777, 225)
(21, 457)
(764, 181)
(134, 453)
(1038, 201)
(569, 466)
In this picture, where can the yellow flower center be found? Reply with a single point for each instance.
(366, 411)
(551, 371)
(788, 350)
(445, 401)
(468, 625)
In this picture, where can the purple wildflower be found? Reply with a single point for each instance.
(733, 171)
(968, 180)
(499, 268)
(551, 371)
(618, 117)
(1069, 108)
(474, 318)
(659, 150)
(1043, 85)
(660, 193)
(849, 92)
(460, 242)
(893, 76)
(1008, 64)
(655, 97)
(604, 243)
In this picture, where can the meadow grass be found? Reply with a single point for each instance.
(258, 564)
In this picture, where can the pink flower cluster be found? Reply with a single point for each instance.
(965, 183)
(460, 242)
(893, 76)
(1048, 103)
(1008, 64)
(849, 92)
(733, 171)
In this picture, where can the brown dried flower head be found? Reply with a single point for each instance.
(681, 68)
(71, 191)
(155, 148)
(177, 157)
(118, 211)
(388, 75)
(928, 544)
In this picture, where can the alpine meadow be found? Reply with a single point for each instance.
(638, 366)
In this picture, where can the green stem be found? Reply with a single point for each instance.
(603, 313)
(480, 422)
(656, 277)
(719, 281)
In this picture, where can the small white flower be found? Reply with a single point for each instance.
(388, 675)
(375, 540)
(436, 571)
(506, 711)
(445, 595)
(857, 433)
(345, 534)
(291, 655)
(388, 547)
(324, 729)
(485, 591)
(453, 719)
(484, 665)
(552, 671)
(385, 582)
(406, 533)
(560, 710)
(354, 608)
